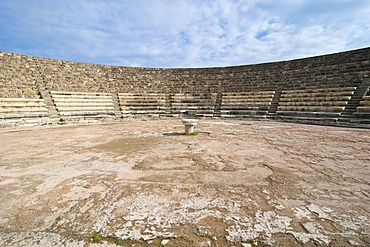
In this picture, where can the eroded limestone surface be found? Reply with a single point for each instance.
(145, 183)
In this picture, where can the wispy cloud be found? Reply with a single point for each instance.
(182, 33)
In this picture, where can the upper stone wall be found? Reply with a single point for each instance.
(24, 76)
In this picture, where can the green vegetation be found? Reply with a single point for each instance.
(97, 238)
(195, 133)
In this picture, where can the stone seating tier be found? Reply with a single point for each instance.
(314, 104)
(76, 106)
(196, 104)
(308, 104)
(15, 111)
(246, 104)
(153, 105)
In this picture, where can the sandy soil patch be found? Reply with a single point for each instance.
(143, 183)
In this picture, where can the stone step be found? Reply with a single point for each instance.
(21, 100)
(246, 101)
(240, 105)
(22, 105)
(310, 118)
(23, 110)
(363, 108)
(314, 103)
(84, 104)
(312, 108)
(195, 108)
(149, 95)
(142, 102)
(77, 94)
(243, 116)
(24, 121)
(244, 108)
(361, 120)
(251, 97)
(243, 112)
(243, 94)
(80, 97)
(144, 108)
(308, 113)
(142, 112)
(320, 90)
(90, 113)
(24, 115)
(78, 101)
(86, 108)
(362, 114)
(314, 99)
(318, 96)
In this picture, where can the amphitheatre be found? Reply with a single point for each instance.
(96, 155)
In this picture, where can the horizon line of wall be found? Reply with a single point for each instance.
(25, 76)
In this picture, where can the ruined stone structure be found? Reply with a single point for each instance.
(330, 87)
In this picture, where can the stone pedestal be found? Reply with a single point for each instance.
(189, 125)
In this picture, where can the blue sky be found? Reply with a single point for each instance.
(182, 33)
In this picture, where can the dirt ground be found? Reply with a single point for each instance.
(144, 183)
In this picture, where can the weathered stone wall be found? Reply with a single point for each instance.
(24, 76)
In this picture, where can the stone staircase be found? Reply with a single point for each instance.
(274, 103)
(348, 113)
(362, 114)
(218, 103)
(116, 106)
(53, 113)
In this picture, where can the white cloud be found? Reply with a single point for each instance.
(183, 33)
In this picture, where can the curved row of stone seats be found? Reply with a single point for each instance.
(362, 113)
(76, 106)
(136, 104)
(193, 104)
(314, 104)
(21, 111)
(246, 104)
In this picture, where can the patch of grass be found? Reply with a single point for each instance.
(97, 238)
(195, 133)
